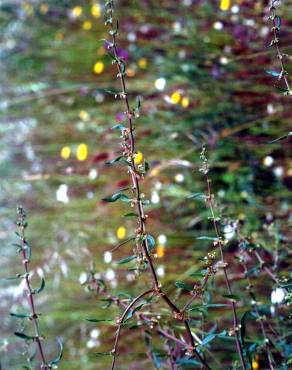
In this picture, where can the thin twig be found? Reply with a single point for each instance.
(121, 320)
(25, 261)
(219, 244)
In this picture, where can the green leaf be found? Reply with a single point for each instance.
(20, 315)
(126, 260)
(117, 196)
(198, 274)
(243, 322)
(42, 286)
(58, 358)
(150, 242)
(182, 285)
(120, 127)
(232, 297)
(196, 195)
(131, 214)
(287, 286)
(120, 159)
(23, 336)
(206, 238)
(15, 277)
(27, 251)
(101, 320)
(208, 339)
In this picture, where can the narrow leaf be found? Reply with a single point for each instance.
(232, 297)
(117, 196)
(58, 358)
(126, 260)
(42, 286)
(20, 315)
(23, 336)
(182, 285)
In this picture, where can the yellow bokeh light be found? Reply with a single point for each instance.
(82, 152)
(138, 158)
(84, 115)
(87, 25)
(255, 365)
(98, 68)
(225, 5)
(121, 232)
(77, 11)
(142, 63)
(160, 251)
(175, 97)
(65, 152)
(96, 10)
(185, 102)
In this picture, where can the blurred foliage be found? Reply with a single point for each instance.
(57, 90)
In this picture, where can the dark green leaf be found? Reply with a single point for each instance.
(119, 159)
(58, 358)
(232, 297)
(23, 336)
(117, 196)
(42, 286)
(101, 320)
(131, 214)
(20, 315)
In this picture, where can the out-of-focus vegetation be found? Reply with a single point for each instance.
(200, 69)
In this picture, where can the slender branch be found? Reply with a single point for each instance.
(276, 22)
(219, 244)
(120, 322)
(263, 330)
(21, 223)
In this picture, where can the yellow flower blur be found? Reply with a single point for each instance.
(83, 115)
(77, 11)
(87, 25)
(160, 251)
(142, 63)
(185, 102)
(175, 97)
(96, 10)
(224, 5)
(98, 67)
(82, 152)
(121, 232)
(255, 365)
(65, 152)
(138, 158)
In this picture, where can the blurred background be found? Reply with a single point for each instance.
(200, 69)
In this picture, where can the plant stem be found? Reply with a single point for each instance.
(121, 320)
(224, 266)
(25, 261)
(136, 188)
